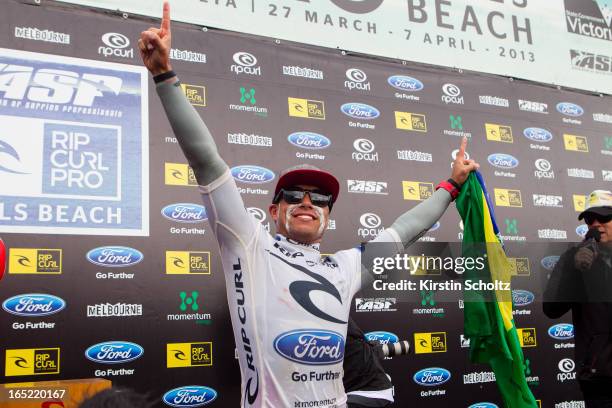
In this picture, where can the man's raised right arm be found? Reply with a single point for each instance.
(192, 134)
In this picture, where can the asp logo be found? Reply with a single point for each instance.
(179, 174)
(187, 262)
(411, 121)
(32, 362)
(430, 342)
(417, 190)
(35, 261)
(306, 108)
(358, 6)
(198, 354)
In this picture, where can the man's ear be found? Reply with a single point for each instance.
(273, 210)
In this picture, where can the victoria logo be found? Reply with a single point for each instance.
(382, 337)
(452, 94)
(432, 377)
(549, 262)
(185, 212)
(114, 352)
(358, 6)
(116, 45)
(503, 161)
(312, 347)
(190, 396)
(561, 331)
(522, 297)
(405, 83)
(33, 305)
(252, 174)
(581, 230)
(370, 220)
(570, 109)
(537, 134)
(114, 256)
(360, 111)
(309, 140)
(9, 150)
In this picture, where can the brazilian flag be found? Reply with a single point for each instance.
(488, 313)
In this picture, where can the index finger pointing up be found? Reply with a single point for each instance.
(165, 25)
(462, 147)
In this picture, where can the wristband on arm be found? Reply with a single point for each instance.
(451, 186)
(162, 77)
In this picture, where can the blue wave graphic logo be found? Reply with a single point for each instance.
(33, 305)
(312, 347)
(114, 256)
(185, 212)
(114, 352)
(252, 174)
(9, 150)
(190, 396)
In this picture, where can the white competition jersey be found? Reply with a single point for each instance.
(289, 306)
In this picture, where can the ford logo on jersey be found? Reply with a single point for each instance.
(190, 396)
(522, 297)
(405, 83)
(252, 174)
(483, 405)
(561, 331)
(185, 212)
(309, 140)
(360, 111)
(382, 337)
(537, 134)
(549, 262)
(33, 304)
(312, 347)
(114, 352)
(570, 109)
(431, 377)
(502, 160)
(114, 256)
(581, 230)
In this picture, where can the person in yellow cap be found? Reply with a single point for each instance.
(582, 282)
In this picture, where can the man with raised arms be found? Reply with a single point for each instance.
(289, 306)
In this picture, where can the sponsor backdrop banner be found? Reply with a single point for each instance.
(138, 297)
(560, 42)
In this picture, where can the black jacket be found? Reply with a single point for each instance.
(589, 296)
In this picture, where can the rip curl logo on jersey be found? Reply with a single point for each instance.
(311, 347)
(522, 297)
(549, 262)
(431, 377)
(114, 256)
(185, 212)
(360, 111)
(33, 305)
(114, 352)
(252, 174)
(503, 161)
(189, 396)
(309, 140)
(561, 331)
(405, 83)
(358, 6)
(570, 109)
(383, 337)
(581, 230)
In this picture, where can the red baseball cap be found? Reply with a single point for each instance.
(307, 174)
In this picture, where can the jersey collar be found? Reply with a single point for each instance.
(310, 247)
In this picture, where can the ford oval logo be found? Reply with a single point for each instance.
(570, 109)
(549, 262)
(252, 174)
(33, 304)
(312, 347)
(483, 405)
(561, 331)
(190, 396)
(522, 297)
(503, 161)
(405, 83)
(114, 256)
(185, 212)
(114, 352)
(360, 111)
(581, 230)
(431, 377)
(538, 134)
(382, 337)
(309, 140)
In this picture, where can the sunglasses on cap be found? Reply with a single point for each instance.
(295, 196)
(590, 218)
